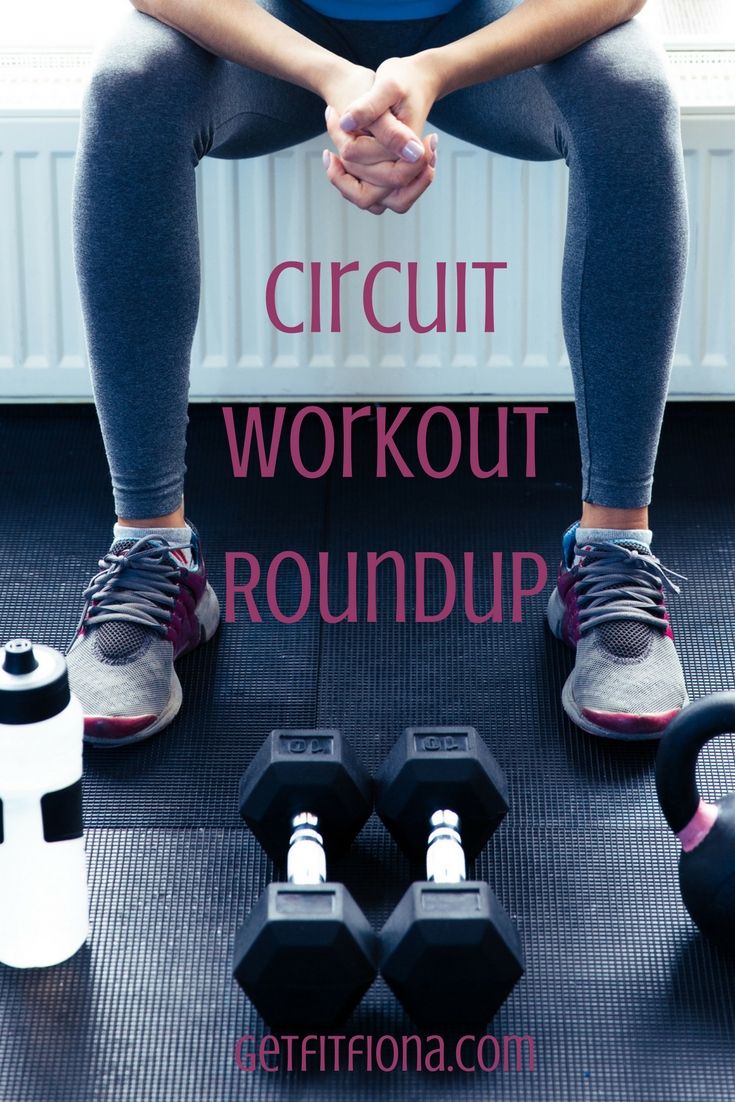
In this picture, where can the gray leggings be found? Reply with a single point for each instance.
(157, 103)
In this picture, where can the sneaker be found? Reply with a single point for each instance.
(609, 605)
(150, 603)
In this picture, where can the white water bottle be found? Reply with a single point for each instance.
(44, 915)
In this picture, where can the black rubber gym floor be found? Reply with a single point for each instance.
(624, 1000)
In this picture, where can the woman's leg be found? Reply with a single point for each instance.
(608, 110)
(156, 104)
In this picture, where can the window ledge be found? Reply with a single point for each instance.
(41, 83)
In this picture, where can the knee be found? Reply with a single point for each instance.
(147, 73)
(632, 88)
(643, 103)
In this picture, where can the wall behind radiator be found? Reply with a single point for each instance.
(254, 214)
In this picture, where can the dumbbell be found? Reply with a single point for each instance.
(449, 951)
(306, 954)
(706, 831)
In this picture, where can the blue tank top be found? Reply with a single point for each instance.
(381, 11)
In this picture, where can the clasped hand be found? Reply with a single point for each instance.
(375, 121)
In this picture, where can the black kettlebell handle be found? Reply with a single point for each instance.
(676, 761)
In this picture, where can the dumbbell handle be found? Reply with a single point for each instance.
(306, 862)
(445, 862)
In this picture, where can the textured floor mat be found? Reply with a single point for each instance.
(622, 997)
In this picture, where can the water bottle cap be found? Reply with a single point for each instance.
(19, 656)
(34, 684)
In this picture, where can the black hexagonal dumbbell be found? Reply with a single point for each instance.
(449, 951)
(306, 954)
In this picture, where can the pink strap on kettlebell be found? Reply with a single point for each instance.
(698, 827)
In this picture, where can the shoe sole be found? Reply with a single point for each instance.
(554, 618)
(208, 615)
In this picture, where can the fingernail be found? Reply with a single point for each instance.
(327, 112)
(348, 123)
(412, 151)
(325, 158)
(434, 141)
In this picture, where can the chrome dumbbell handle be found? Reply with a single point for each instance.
(306, 862)
(445, 860)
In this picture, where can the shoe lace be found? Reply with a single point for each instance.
(139, 586)
(616, 582)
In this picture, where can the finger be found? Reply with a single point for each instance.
(432, 144)
(388, 174)
(361, 194)
(373, 112)
(398, 138)
(401, 201)
(358, 148)
(363, 112)
(377, 209)
(392, 174)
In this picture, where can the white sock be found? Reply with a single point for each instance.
(172, 535)
(613, 535)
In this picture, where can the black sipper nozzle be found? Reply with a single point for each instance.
(19, 657)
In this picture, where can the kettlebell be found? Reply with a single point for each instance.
(706, 831)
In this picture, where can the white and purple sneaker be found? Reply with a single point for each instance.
(150, 604)
(609, 605)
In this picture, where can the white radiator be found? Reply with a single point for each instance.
(256, 214)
